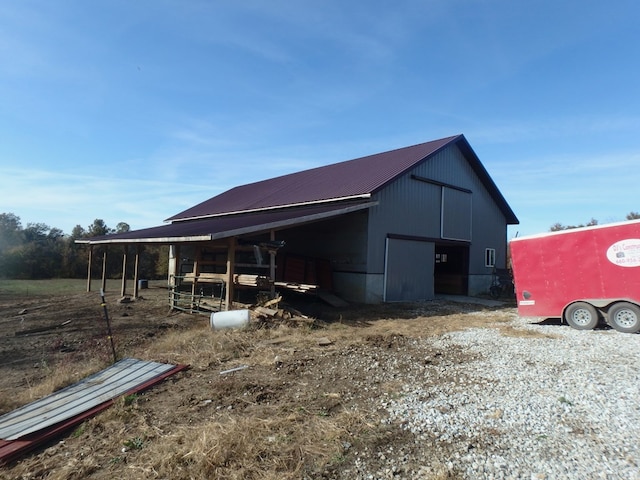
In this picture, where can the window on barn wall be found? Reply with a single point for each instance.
(489, 257)
(456, 214)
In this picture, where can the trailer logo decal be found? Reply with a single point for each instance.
(625, 253)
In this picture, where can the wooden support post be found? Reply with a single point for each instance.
(136, 287)
(123, 291)
(89, 268)
(174, 267)
(103, 284)
(231, 263)
(196, 273)
(272, 265)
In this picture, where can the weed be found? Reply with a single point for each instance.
(130, 399)
(135, 443)
(565, 400)
(79, 431)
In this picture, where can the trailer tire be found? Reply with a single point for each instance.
(581, 316)
(625, 317)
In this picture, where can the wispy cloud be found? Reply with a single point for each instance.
(64, 200)
(566, 127)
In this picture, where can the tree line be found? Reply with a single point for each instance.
(38, 251)
(558, 226)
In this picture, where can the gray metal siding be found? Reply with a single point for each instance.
(490, 231)
(342, 240)
(456, 214)
(407, 207)
(409, 270)
(411, 207)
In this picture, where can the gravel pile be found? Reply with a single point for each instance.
(560, 404)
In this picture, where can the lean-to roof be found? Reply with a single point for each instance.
(215, 228)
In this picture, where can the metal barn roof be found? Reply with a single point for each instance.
(302, 197)
(350, 179)
(206, 229)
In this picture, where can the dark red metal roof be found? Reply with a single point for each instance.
(302, 197)
(205, 229)
(353, 178)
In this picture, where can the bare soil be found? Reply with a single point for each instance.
(305, 406)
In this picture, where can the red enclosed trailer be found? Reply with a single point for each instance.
(581, 275)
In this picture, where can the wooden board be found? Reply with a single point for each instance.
(331, 299)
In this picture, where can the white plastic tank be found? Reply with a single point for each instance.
(230, 319)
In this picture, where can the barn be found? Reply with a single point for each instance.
(402, 225)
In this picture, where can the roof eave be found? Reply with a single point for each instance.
(274, 207)
(486, 179)
(160, 240)
(261, 227)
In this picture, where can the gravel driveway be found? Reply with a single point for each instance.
(551, 403)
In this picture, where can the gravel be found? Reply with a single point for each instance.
(547, 403)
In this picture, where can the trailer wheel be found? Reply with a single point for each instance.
(625, 317)
(581, 316)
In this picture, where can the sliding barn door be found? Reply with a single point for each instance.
(409, 268)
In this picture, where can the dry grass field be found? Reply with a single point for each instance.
(305, 406)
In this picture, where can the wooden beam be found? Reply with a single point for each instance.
(89, 268)
(196, 272)
(173, 268)
(231, 263)
(103, 284)
(123, 291)
(136, 287)
(272, 265)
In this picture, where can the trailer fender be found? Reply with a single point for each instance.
(604, 304)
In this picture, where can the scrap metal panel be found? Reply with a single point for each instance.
(73, 400)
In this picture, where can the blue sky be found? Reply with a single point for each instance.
(133, 111)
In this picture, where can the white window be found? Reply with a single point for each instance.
(489, 257)
(441, 258)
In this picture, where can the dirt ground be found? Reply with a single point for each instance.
(305, 406)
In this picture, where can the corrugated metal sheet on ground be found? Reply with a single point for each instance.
(25, 427)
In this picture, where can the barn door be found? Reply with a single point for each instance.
(409, 268)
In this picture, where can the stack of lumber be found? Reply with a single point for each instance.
(272, 312)
(297, 287)
(204, 277)
(259, 281)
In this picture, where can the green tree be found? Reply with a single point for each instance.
(10, 231)
(98, 228)
(122, 227)
(633, 216)
(558, 226)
